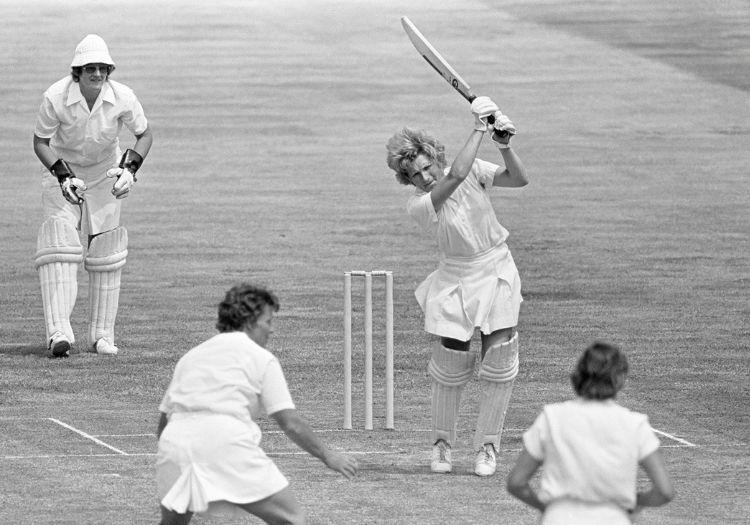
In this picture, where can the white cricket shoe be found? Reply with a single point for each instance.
(59, 345)
(441, 457)
(485, 462)
(104, 347)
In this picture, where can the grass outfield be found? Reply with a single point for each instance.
(270, 121)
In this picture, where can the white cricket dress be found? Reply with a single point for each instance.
(89, 142)
(590, 451)
(209, 454)
(476, 284)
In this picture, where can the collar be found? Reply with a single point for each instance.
(75, 96)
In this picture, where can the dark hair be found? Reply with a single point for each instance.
(75, 72)
(242, 305)
(600, 372)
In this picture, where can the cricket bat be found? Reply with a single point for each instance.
(441, 65)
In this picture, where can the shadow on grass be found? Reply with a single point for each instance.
(24, 350)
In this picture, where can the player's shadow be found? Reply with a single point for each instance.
(24, 350)
(389, 470)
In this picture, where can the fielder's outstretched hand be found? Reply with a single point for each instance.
(125, 180)
(482, 108)
(503, 130)
(342, 463)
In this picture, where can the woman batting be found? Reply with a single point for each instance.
(589, 450)
(209, 457)
(476, 285)
(85, 175)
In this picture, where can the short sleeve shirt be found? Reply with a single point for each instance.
(86, 137)
(466, 224)
(228, 374)
(590, 451)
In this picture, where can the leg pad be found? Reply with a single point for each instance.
(497, 374)
(59, 252)
(106, 257)
(450, 371)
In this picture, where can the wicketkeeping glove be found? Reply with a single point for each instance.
(481, 108)
(71, 186)
(125, 180)
(503, 130)
(125, 173)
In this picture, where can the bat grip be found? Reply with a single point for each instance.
(490, 120)
(500, 133)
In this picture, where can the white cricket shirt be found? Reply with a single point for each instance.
(86, 137)
(466, 224)
(590, 451)
(228, 374)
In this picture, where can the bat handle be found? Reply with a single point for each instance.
(496, 132)
(500, 133)
(491, 122)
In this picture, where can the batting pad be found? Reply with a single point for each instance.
(104, 262)
(450, 371)
(59, 252)
(497, 373)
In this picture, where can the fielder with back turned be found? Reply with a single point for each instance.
(86, 175)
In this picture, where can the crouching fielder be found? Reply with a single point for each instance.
(209, 457)
(86, 175)
(476, 284)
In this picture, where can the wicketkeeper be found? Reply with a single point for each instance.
(476, 284)
(86, 175)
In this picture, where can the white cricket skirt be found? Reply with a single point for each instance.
(465, 293)
(570, 512)
(206, 460)
(100, 211)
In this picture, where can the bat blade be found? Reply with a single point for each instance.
(441, 65)
(436, 60)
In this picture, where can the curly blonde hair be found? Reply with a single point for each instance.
(406, 145)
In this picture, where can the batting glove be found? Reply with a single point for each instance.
(125, 180)
(503, 130)
(71, 186)
(482, 108)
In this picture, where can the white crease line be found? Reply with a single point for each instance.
(674, 438)
(149, 434)
(58, 456)
(87, 436)
(283, 454)
(384, 430)
(297, 453)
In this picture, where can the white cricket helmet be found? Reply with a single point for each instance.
(91, 50)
